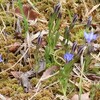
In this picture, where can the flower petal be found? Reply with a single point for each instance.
(95, 36)
(1, 59)
(90, 36)
(86, 35)
(68, 56)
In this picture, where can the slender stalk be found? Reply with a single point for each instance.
(24, 17)
(81, 78)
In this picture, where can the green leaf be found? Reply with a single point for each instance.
(24, 18)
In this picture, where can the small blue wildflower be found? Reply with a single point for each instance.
(68, 56)
(90, 36)
(1, 59)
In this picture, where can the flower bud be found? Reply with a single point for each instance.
(89, 21)
(57, 8)
(74, 19)
(80, 50)
(59, 15)
(39, 39)
(74, 46)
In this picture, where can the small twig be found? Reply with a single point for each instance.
(86, 9)
(3, 8)
(81, 78)
(51, 84)
(33, 6)
(1, 32)
(43, 89)
(39, 84)
(94, 8)
(83, 74)
(76, 84)
(2, 97)
(96, 57)
(42, 79)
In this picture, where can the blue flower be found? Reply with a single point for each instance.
(90, 36)
(1, 60)
(68, 56)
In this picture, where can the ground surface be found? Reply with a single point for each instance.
(18, 49)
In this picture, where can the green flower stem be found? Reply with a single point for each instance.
(55, 56)
(24, 18)
(65, 74)
(81, 79)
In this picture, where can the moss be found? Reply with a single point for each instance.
(38, 96)
(47, 93)
(55, 88)
(14, 81)
(18, 57)
(34, 81)
(4, 75)
(3, 82)
(1, 85)
(3, 1)
(21, 96)
(11, 56)
(25, 68)
(17, 67)
(20, 89)
(1, 64)
(5, 66)
(11, 61)
(2, 44)
(49, 81)
(15, 87)
(6, 91)
(9, 29)
(8, 21)
(45, 98)
(44, 95)
(4, 54)
(97, 97)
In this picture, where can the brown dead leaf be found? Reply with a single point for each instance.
(14, 47)
(48, 72)
(42, 65)
(16, 74)
(24, 78)
(84, 96)
(18, 32)
(93, 77)
(44, 43)
(28, 12)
